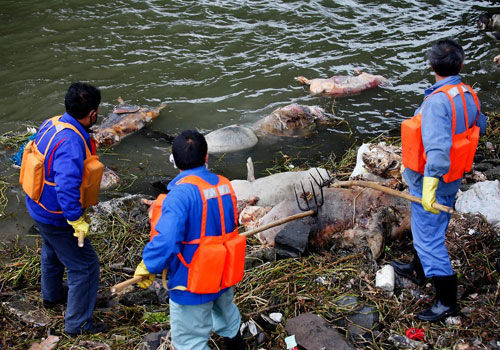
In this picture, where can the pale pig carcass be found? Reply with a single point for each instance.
(341, 85)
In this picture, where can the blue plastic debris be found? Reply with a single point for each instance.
(18, 157)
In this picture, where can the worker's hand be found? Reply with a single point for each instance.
(429, 193)
(141, 270)
(80, 226)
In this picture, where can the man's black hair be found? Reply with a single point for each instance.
(81, 98)
(446, 57)
(189, 149)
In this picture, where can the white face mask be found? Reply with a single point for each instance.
(171, 159)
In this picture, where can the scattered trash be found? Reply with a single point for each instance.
(415, 333)
(384, 279)
(291, 343)
(18, 157)
(453, 321)
(268, 320)
(118, 337)
(321, 280)
(250, 325)
(276, 317)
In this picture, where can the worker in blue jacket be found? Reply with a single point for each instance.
(192, 316)
(428, 225)
(59, 215)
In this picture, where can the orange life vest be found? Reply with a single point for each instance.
(155, 214)
(219, 261)
(463, 146)
(32, 175)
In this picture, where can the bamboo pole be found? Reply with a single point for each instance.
(81, 237)
(379, 187)
(118, 287)
(278, 222)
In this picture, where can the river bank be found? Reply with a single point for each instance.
(338, 284)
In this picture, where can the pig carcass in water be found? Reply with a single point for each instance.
(125, 120)
(348, 217)
(293, 120)
(342, 85)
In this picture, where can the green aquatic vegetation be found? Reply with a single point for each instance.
(23, 266)
(13, 139)
(3, 197)
(156, 317)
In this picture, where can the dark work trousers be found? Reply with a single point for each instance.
(60, 250)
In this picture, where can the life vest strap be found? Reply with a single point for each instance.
(183, 261)
(50, 211)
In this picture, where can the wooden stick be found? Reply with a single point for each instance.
(404, 195)
(118, 287)
(81, 237)
(164, 279)
(278, 222)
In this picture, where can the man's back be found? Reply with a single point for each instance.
(181, 221)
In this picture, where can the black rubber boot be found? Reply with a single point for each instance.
(235, 343)
(94, 329)
(412, 270)
(446, 299)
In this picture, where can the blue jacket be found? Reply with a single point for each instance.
(436, 134)
(181, 221)
(64, 167)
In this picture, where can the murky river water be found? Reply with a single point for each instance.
(216, 63)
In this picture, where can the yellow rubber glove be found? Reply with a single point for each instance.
(80, 226)
(141, 270)
(429, 193)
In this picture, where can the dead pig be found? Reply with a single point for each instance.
(348, 217)
(342, 85)
(293, 120)
(125, 120)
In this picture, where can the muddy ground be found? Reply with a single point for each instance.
(314, 283)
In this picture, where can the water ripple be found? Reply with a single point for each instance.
(234, 60)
